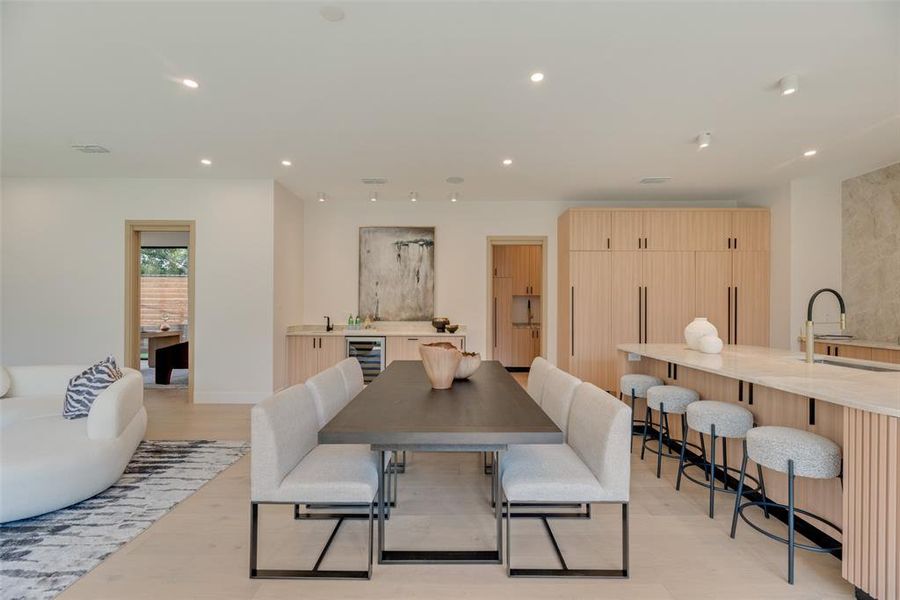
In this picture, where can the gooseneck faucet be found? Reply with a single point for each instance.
(328, 325)
(810, 336)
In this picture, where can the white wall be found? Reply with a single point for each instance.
(805, 254)
(288, 276)
(63, 273)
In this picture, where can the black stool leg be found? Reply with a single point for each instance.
(725, 463)
(632, 418)
(646, 426)
(762, 486)
(662, 415)
(740, 491)
(791, 535)
(703, 452)
(668, 433)
(683, 446)
(712, 471)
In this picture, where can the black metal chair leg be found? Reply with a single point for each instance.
(762, 488)
(646, 429)
(662, 416)
(740, 491)
(683, 447)
(791, 533)
(712, 472)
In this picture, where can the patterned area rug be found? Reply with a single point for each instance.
(42, 556)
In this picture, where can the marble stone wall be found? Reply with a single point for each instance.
(871, 254)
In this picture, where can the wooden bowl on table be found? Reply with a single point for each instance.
(441, 360)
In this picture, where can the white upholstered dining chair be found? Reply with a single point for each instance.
(289, 466)
(537, 375)
(593, 467)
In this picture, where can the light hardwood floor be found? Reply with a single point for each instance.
(199, 550)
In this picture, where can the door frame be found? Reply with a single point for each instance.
(133, 229)
(515, 240)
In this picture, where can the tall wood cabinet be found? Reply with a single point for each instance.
(641, 275)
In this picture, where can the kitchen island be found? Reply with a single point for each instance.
(846, 402)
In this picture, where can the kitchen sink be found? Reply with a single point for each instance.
(840, 363)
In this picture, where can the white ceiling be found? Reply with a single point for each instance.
(420, 92)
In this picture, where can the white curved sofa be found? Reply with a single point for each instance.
(48, 462)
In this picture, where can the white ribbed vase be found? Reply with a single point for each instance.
(696, 329)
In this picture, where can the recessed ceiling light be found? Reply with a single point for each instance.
(537, 77)
(205, 161)
(809, 153)
(190, 83)
(789, 85)
(507, 162)
(373, 196)
(286, 163)
(321, 197)
(704, 140)
(331, 13)
(454, 197)
(413, 196)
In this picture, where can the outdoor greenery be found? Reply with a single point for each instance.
(164, 261)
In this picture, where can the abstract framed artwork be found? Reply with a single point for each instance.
(396, 273)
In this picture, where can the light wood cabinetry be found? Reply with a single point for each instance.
(857, 350)
(641, 275)
(525, 266)
(526, 345)
(398, 347)
(311, 354)
(750, 305)
(502, 319)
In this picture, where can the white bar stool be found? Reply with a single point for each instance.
(797, 453)
(667, 400)
(636, 385)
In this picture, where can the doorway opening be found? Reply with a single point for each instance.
(517, 307)
(159, 303)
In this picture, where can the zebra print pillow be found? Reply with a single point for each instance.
(86, 386)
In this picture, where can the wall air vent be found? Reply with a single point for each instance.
(656, 179)
(90, 148)
(374, 180)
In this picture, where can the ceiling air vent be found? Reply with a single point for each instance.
(374, 180)
(656, 179)
(90, 148)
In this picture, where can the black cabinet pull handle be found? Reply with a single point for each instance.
(572, 317)
(646, 323)
(729, 243)
(729, 313)
(735, 243)
(640, 316)
(735, 314)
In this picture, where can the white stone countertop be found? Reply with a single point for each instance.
(379, 329)
(854, 342)
(877, 392)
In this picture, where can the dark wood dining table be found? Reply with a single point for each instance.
(400, 411)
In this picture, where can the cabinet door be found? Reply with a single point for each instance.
(627, 230)
(332, 350)
(669, 292)
(590, 229)
(535, 269)
(751, 298)
(625, 287)
(886, 355)
(667, 230)
(750, 229)
(592, 353)
(714, 290)
(502, 261)
(502, 317)
(709, 230)
(523, 343)
(402, 348)
(519, 261)
(302, 358)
